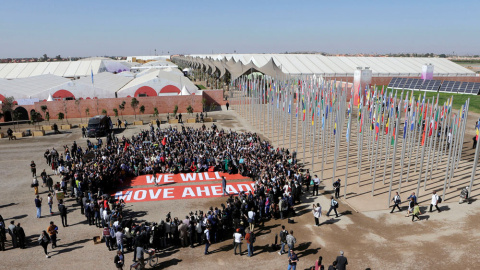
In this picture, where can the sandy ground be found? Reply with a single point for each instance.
(371, 237)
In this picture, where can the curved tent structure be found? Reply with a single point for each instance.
(162, 82)
(328, 66)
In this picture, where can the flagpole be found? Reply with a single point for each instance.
(425, 128)
(397, 127)
(447, 168)
(430, 141)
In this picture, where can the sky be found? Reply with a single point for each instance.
(127, 28)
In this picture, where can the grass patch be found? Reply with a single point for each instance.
(200, 86)
(458, 99)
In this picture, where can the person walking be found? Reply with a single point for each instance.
(20, 234)
(53, 231)
(227, 105)
(250, 238)
(318, 264)
(33, 169)
(435, 201)
(316, 183)
(63, 213)
(397, 201)
(283, 240)
(341, 261)
(50, 202)
(43, 240)
(237, 242)
(119, 236)
(35, 185)
(11, 231)
(224, 186)
(119, 260)
(38, 205)
(207, 240)
(251, 218)
(292, 260)
(317, 213)
(333, 206)
(291, 240)
(336, 187)
(416, 212)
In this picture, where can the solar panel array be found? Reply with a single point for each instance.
(435, 85)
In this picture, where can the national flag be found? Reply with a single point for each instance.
(347, 135)
(335, 126)
(405, 129)
(91, 72)
(477, 130)
(303, 108)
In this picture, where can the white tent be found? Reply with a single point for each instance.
(309, 64)
(156, 82)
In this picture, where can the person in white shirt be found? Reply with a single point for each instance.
(435, 202)
(237, 236)
(251, 219)
(396, 200)
(317, 213)
(316, 183)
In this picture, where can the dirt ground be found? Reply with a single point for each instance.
(371, 237)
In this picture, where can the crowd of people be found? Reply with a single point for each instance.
(89, 173)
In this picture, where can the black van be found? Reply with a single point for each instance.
(98, 126)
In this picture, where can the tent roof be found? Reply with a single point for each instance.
(105, 80)
(31, 86)
(307, 64)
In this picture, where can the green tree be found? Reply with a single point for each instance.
(134, 105)
(190, 109)
(155, 112)
(47, 117)
(122, 107)
(44, 109)
(58, 57)
(87, 111)
(104, 112)
(45, 57)
(142, 109)
(60, 116)
(7, 104)
(175, 110)
(115, 111)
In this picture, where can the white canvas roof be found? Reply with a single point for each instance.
(67, 69)
(107, 81)
(308, 64)
(157, 79)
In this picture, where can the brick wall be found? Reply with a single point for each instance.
(164, 104)
(214, 96)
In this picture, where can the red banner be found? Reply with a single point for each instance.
(181, 192)
(165, 178)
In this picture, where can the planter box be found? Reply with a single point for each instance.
(65, 127)
(47, 128)
(39, 133)
(2, 135)
(82, 125)
(19, 134)
(191, 120)
(173, 121)
(138, 123)
(208, 119)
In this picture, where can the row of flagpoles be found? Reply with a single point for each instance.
(429, 134)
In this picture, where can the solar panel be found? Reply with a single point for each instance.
(393, 82)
